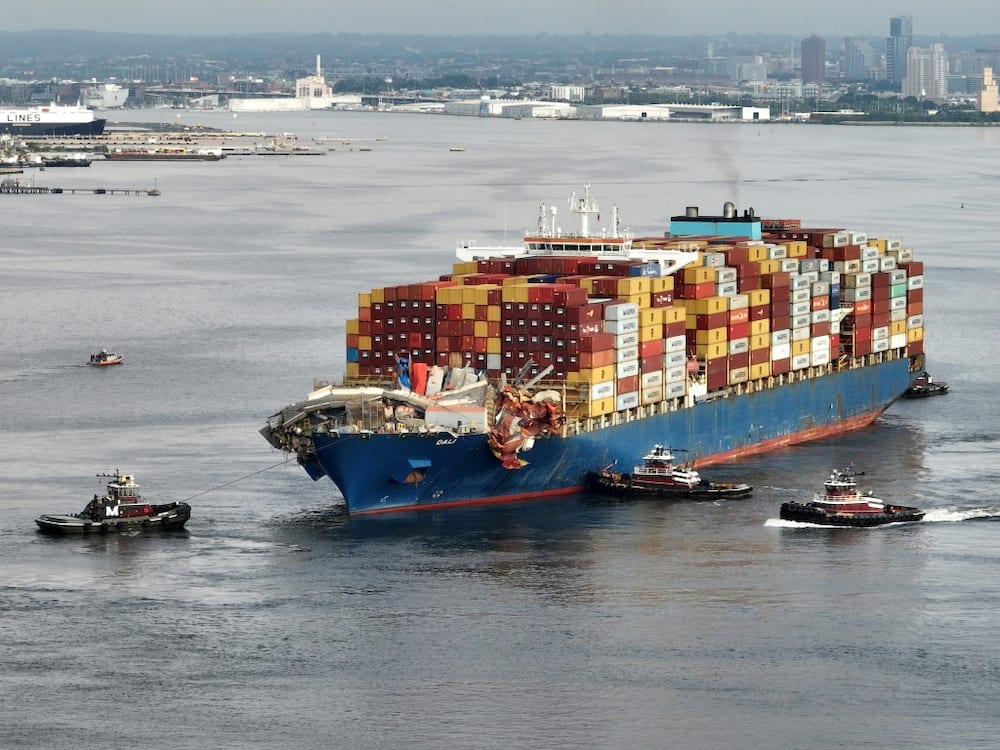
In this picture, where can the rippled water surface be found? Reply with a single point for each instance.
(276, 621)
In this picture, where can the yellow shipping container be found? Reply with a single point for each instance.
(712, 336)
(640, 300)
(768, 266)
(698, 274)
(596, 408)
(760, 327)
(802, 346)
(711, 351)
(514, 292)
(592, 375)
(673, 314)
(661, 284)
(364, 343)
(493, 313)
(650, 316)
(465, 266)
(468, 311)
(378, 295)
(469, 295)
(914, 335)
(481, 329)
(709, 305)
(756, 253)
(796, 248)
(760, 341)
(879, 244)
(353, 370)
(365, 299)
(493, 345)
(760, 297)
(762, 370)
(353, 325)
(897, 326)
(651, 333)
(629, 285)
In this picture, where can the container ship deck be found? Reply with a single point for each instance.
(524, 368)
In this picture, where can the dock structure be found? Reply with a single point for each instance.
(16, 187)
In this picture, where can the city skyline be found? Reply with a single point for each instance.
(514, 17)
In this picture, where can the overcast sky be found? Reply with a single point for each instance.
(668, 17)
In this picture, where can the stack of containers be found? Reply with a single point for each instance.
(621, 336)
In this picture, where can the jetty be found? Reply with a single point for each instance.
(18, 187)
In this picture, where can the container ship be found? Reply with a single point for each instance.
(525, 368)
(51, 119)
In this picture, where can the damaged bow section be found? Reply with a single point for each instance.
(509, 422)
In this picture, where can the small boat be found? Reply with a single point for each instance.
(841, 504)
(120, 509)
(104, 358)
(659, 476)
(925, 386)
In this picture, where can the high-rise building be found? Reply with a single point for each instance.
(926, 73)
(859, 59)
(899, 40)
(987, 99)
(813, 59)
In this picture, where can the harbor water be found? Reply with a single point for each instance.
(274, 620)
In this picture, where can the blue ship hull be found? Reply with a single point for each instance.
(371, 469)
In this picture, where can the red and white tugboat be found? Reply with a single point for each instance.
(841, 504)
(104, 358)
(658, 475)
(120, 509)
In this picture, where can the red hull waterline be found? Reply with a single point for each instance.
(766, 446)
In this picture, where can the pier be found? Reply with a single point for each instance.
(16, 187)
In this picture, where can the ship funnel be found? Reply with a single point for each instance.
(729, 210)
(691, 212)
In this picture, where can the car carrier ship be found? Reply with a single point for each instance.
(525, 368)
(51, 119)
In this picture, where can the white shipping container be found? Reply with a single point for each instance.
(882, 332)
(728, 289)
(819, 358)
(847, 266)
(858, 294)
(897, 303)
(882, 345)
(903, 256)
(783, 336)
(739, 301)
(675, 344)
(602, 390)
(820, 288)
(674, 359)
(725, 275)
(834, 326)
(898, 276)
(627, 340)
(789, 265)
(855, 280)
(800, 295)
(800, 281)
(915, 282)
(627, 355)
(915, 321)
(621, 311)
(713, 260)
(857, 238)
(870, 266)
(675, 390)
(627, 401)
(893, 244)
(869, 253)
(618, 326)
(628, 369)
(887, 263)
(676, 375)
(800, 362)
(738, 346)
(781, 351)
(830, 277)
(801, 308)
(652, 395)
(800, 334)
(649, 379)
(819, 343)
(897, 314)
(821, 316)
(897, 341)
(801, 321)
(777, 252)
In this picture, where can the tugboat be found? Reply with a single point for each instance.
(925, 386)
(104, 358)
(659, 476)
(841, 504)
(120, 509)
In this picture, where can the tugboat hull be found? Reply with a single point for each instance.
(607, 482)
(811, 513)
(171, 516)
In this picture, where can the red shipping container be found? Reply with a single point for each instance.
(781, 366)
(661, 299)
(652, 348)
(739, 331)
(820, 303)
(760, 356)
(737, 361)
(775, 280)
(739, 316)
(712, 320)
(820, 329)
(367, 329)
(627, 385)
(652, 363)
